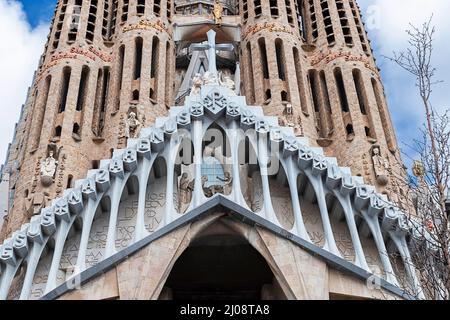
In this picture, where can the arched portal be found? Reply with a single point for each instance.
(221, 267)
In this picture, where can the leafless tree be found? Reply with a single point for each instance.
(429, 214)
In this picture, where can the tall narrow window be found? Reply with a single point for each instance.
(341, 90)
(274, 8)
(251, 84)
(106, 19)
(299, 12)
(300, 83)
(258, 9)
(100, 101)
(69, 181)
(118, 80)
(75, 23)
(39, 114)
(140, 9)
(157, 8)
(169, 10)
(125, 8)
(290, 17)
(82, 88)
(264, 61)
(138, 58)
(328, 22)
(359, 86)
(313, 20)
(387, 127)
(168, 83)
(322, 108)
(64, 89)
(154, 68)
(113, 22)
(59, 26)
(344, 23)
(363, 102)
(279, 50)
(92, 19)
(361, 32)
(245, 10)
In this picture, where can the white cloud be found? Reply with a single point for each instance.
(392, 19)
(20, 50)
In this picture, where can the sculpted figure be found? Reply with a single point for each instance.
(48, 169)
(226, 81)
(197, 83)
(185, 190)
(35, 203)
(418, 169)
(381, 167)
(288, 120)
(210, 78)
(132, 126)
(218, 12)
(228, 181)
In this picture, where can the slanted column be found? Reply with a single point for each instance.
(170, 130)
(234, 133)
(39, 242)
(370, 206)
(90, 194)
(147, 161)
(198, 195)
(347, 186)
(314, 167)
(262, 131)
(117, 170)
(291, 152)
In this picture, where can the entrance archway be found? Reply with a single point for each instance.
(221, 267)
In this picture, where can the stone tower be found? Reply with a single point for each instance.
(308, 62)
(129, 92)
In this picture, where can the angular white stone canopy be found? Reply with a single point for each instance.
(274, 144)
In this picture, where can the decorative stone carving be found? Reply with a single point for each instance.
(132, 126)
(418, 169)
(48, 169)
(61, 168)
(186, 188)
(226, 81)
(288, 120)
(35, 203)
(381, 166)
(227, 183)
(215, 104)
(210, 78)
(218, 12)
(197, 83)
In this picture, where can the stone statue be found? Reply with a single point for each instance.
(288, 120)
(132, 126)
(228, 181)
(197, 83)
(185, 190)
(418, 169)
(48, 169)
(381, 166)
(35, 203)
(210, 78)
(218, 12)
(226, 81)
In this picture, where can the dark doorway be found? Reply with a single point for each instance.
(219, 267)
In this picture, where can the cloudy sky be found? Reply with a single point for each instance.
(24, 27)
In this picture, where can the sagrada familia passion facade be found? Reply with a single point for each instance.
(206, 149)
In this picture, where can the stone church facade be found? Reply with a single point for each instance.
(159, 133)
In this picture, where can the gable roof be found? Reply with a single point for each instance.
(214, 105)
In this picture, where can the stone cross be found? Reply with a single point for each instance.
(212, 47)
